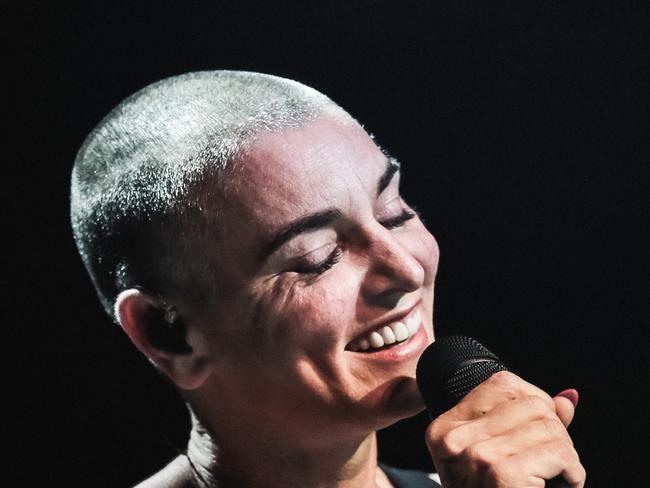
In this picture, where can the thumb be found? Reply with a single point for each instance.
(565, 405)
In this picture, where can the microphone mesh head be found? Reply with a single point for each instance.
(450, 368)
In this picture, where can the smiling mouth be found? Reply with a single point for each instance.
(388, 335)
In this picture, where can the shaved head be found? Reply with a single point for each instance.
(145, 182)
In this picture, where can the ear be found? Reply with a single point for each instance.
(172, 344)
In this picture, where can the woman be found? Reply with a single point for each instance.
(251, 240)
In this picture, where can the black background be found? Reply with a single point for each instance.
(522, 128)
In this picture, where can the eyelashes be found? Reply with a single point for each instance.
(331, 260)
(336, 254)
(391, 223)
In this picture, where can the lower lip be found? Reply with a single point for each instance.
(411, 348)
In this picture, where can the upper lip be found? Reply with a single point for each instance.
(389, 319)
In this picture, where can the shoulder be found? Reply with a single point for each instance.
(177, 474)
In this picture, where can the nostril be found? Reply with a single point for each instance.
(403, 272)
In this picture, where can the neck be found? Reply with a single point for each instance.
(253, 464)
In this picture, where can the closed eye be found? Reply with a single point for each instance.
(323, 266)
(399, 220)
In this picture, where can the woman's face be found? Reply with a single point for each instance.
(317, 251)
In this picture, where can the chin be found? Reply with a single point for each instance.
(401, 400)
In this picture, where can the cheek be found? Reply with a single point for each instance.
(300, 315)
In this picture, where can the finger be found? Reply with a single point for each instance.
(475, 449)
(565, 405)
(541, 462)
(501, 387)
(524, 457)
(505, 418)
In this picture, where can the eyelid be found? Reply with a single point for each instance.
(391, 208)
(322, 266)
(325, 248)
(398, 220)
(393, 183)
(334, 257)
(390, 194)
(308, 242)
(396, 200)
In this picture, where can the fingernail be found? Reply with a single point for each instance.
(572, 395)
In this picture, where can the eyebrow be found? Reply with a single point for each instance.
(392, 167)
(325, 217)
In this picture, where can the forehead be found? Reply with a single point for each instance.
(297, 158)
(327, 163)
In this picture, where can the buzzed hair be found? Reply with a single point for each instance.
(139, 213)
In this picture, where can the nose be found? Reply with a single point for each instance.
(392, 270)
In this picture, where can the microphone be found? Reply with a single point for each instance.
(450, 368)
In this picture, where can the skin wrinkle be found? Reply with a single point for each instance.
(267, 345)
(142, 159)
(312, 221)
(305, 339)
(174, 195)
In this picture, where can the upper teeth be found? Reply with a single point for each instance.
(388, 334)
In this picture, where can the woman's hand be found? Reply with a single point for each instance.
(505, 433)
